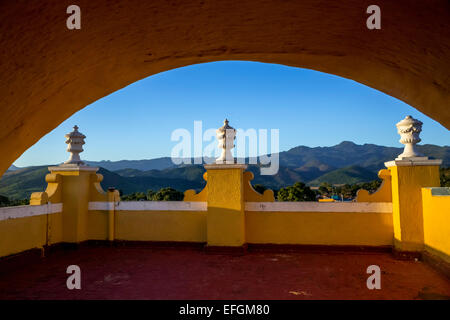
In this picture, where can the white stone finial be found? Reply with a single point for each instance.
(75, 141)
(409, 130)
(226, 135)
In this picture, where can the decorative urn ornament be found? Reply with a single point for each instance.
(226, 135)
(75, 141)
(409, 130)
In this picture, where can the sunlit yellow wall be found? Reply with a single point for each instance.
(55, 228)
(407, 182)
(75, 195)
(436, 222)
(97, 228)
(384, 192)
(330, 228)
(321, 228)
(225, 218)
(17, 235)
(419, 217)
(186, 226)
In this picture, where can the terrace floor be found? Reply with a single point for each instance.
(191, 273)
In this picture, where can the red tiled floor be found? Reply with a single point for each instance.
(188, 273)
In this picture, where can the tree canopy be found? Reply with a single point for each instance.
(164, 194)
(298, 192)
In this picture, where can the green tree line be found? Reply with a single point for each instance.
(6, 202)
(164, 194)
(299, 191)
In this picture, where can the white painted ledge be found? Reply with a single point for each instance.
(149, 206)
(413, 161)
(72, 167)
(220, 166)
(381, 207)
(29, 211)
(439, 191)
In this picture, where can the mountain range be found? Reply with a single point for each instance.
(346, 162)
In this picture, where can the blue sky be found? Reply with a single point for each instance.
(308, 107)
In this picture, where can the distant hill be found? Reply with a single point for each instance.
(21, 183)
(349, 175)
(346, 162)
(311, 165)
(347, 153)
(309, 161)
(143, 183)
(13, 168)
(143, 165)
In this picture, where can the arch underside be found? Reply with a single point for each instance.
(49, 72)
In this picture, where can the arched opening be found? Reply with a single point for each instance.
(51, 72)
(134, 126)
(48, 73)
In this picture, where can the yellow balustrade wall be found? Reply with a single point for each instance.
(436, 221)
(93, 214)
(320, 228)
(98, 225)
(146, 225)
(28, 227)
(384, 192)
(275, 227)
(261, 227)
(180, 226)
(17, 235)
(148, 221)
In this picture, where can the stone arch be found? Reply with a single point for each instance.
(49, 72)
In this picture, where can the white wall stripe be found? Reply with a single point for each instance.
(150, 206)
(381, 207)
(100, 206)
(29, 211)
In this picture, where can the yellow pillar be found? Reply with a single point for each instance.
(113, 197)
(226, 217)
(408, 177)
(75, 182)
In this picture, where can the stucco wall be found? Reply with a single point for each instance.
(289, 223)
(149, 221)
(370, 224)
(265, 222)
(25, 227)
(161, 226)
(22, 234)
(436, 217)
(307, 223)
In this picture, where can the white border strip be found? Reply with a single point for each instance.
(150, 206)
(381, 207)
(101, 206)
(29, 211)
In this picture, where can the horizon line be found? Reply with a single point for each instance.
(247, 157)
